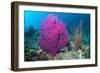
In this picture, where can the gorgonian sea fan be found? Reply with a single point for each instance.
(53, 35)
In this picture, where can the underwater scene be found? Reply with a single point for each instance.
(56, 36)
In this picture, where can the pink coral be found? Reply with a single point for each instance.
(53, 35)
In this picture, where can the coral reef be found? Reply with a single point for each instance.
(53, 41)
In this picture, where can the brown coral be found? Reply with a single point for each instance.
(78, 33)
(78, 36)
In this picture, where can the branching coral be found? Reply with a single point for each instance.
(53, 35)
(78, 36)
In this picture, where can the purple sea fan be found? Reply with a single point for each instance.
(53, 35)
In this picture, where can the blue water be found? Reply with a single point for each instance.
(35, 18)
